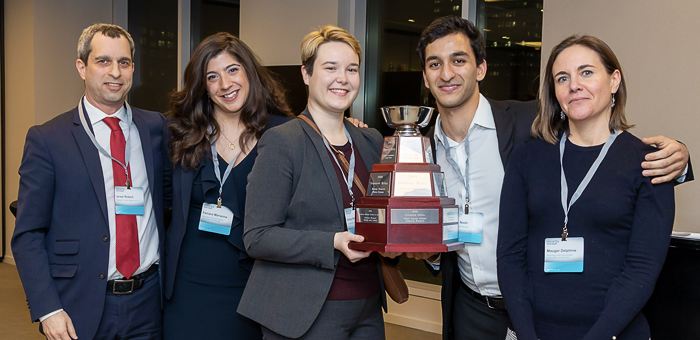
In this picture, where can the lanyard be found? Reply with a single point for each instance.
(584, 183)
(453, 163)
(351, 167)
(217, 172)
(127, 150)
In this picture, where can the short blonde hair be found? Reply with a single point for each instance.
(311, 42)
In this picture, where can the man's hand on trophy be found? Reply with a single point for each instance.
(430, 257)
(390, 254)
(340, 242)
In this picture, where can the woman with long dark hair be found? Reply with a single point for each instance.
(228, 100)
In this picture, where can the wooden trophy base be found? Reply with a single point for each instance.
(406, 224)
(407, 248)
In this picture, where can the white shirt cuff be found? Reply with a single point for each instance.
(41, 319)
(681, 178)
(435, 264)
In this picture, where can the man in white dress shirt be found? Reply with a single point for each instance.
(472, 138)
(89, 223)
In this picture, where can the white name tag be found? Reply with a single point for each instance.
(563, 256)
(350, 219)
(128, 201)
(471, 227)
(215, 220)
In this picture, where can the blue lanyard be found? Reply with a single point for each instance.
(217, 172)
(584, 183)
(127, 149)
(453, 163)
(351, 167)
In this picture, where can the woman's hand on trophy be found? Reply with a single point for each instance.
(340, 242)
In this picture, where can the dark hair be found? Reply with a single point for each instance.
(192, 111)
(448, 25)
(548, 122)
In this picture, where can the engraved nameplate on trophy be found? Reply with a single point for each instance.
(406, 208)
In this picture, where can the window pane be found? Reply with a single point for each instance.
(393, 73)
(153, 26)
(513, 32)
(213, 16)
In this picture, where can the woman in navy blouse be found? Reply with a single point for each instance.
(226, 104)
(583, 235)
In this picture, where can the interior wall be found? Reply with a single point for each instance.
(657, 47)
(41, 81)
(273, 30)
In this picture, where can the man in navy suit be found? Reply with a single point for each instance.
(89, 226)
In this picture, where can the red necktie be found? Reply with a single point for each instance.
(127, 247)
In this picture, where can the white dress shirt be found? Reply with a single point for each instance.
(146, 223)
(477, 262)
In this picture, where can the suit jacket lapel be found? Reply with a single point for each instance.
(184, 190)
(317, 140)
(145, 134)
(91, 158)
(505, 128)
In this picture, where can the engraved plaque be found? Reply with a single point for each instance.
(379, 184)
(439, 181)
(412, 184)
(410, 149)
(415, 216)
(389, 150)
(450, 224)
(428, 150)
(370, 215)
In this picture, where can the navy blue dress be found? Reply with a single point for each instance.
(212, 272)
(213, 269)
(625, 222)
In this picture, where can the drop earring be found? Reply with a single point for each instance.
(562, 115)
(612, 101)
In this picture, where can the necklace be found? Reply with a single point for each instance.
(231, 145)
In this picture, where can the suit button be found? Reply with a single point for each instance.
(105, 238)
(102, 276)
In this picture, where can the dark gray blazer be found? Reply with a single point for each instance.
(294, 207)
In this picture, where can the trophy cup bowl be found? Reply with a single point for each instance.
(407, 119)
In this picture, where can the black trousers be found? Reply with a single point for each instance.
(474, 320)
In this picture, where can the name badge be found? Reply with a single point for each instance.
(563, 256)
(128, 201)
(215, 220)
(350, 219)
(471, 227)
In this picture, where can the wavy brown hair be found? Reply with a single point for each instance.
(192, 111)
(548, 124)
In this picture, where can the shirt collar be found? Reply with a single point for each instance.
(482, 117)
(96, 115)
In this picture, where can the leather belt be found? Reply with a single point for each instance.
(128, 286)
(491, 302)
